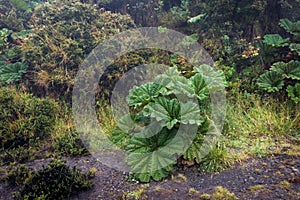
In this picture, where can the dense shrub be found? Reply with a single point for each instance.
(55, 181)
(63, 35)
(24, 119)
(67, 142)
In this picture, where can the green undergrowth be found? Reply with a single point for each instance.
(260, 126)
(55, 181)
(32, 128)
(65, 140)
(26, 124)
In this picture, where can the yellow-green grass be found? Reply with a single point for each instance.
(261, 126)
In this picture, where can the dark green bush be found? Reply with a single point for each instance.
(56, 181)
(24, 119)
(69, 143)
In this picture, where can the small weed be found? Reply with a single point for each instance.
(183, 177)
(284, 184)
(221, 193)
(137, 194)
(217, 159)
(157, 189)
(93, 171)
(193, 191)
(278, 174)
(179, 178)
(205, 196)
(256, 187)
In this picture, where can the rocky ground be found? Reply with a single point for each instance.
(270, 178)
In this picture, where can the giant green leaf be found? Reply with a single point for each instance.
(119, 137)
(142, 95)
(288, 70)
(295, 47)
(149, 157)
(12, 72)
(166, 79)
(190, 114)
(170, 112)
(275, 40)
(213, 79)
(294, 92)
(181, 87)
(289, 26)
(199, 87)
(143, 143)
(150, 130)
(156, 165)
(271, 81)
(194, 151)
(126, 124)
(293, 70)
(175, 83)
(166, 111)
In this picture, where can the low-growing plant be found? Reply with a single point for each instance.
(4, 33)
(21, 154)
(217, 160)
(26, 125)
(163, 119)
(137, 194)
(55, 181)
(18, 175)
(67, 142)
(24, 118)
(255, 188)
(294, 92)
(221, 193)
(11, 66)
(14, 14)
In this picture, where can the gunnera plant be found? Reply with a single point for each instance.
(164, 115)
(284, 76)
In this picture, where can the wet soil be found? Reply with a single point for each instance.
(269, 178)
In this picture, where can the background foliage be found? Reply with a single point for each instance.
(42, 43)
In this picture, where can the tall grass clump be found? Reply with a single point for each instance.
(260, 124)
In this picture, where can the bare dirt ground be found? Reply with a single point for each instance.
(269, 178)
